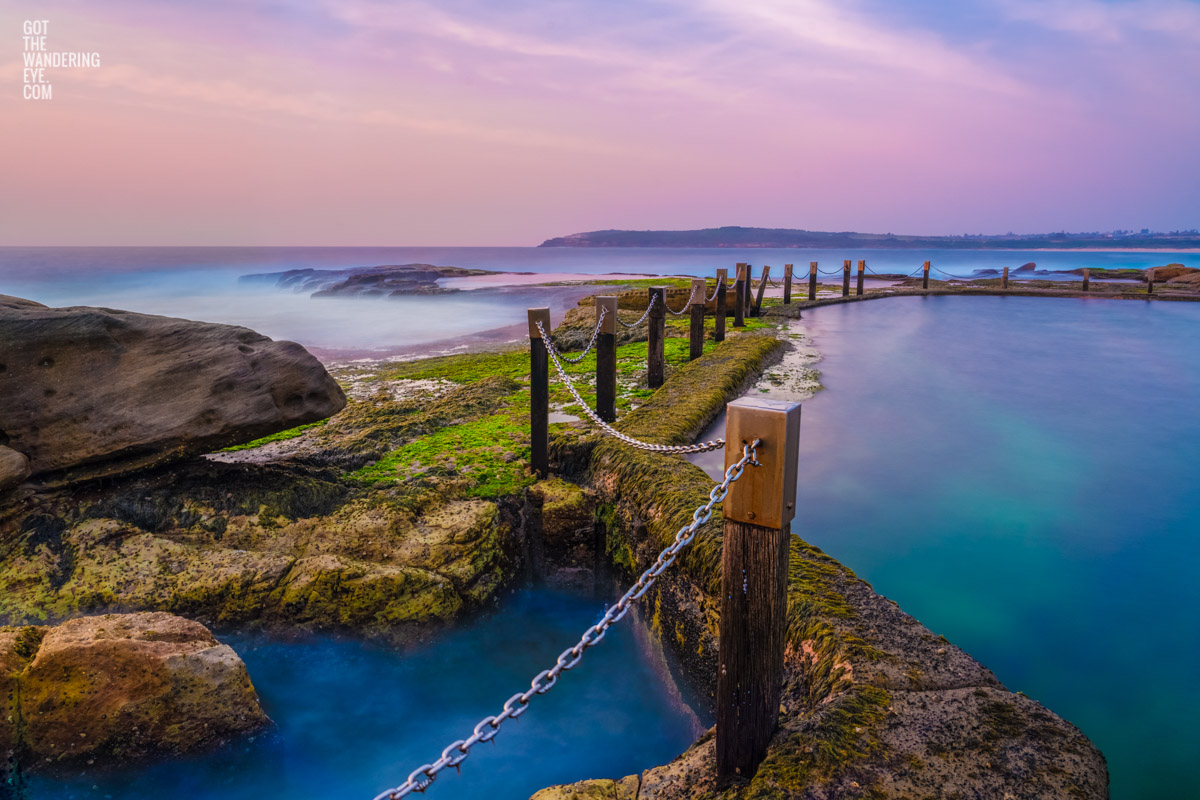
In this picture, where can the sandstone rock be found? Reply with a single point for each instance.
(122, 686)
(14, 468)
(92, 392)
(1191, 279)
(1169, 272)
(1030, 267)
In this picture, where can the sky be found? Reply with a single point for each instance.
(463, 122)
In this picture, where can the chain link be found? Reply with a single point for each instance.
(642, 318)
(592, 343)
(716, 289)
(456, 752)
(686, 305)
(699, 447)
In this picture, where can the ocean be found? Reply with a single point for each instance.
(202, 283)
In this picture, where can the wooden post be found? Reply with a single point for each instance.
(606, 360)
(748, 290)
(787, 284)
(1149, 286)
(539, 393)
(1087, 279)
(862, 265)
(739, 297)
(696, 332)
(655, 354)
(719, 321)
(846, 278)
(762, 287)
(925, 278)
(812, 280)
(754, 571)
(1005, 279)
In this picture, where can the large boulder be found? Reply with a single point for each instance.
(121, 686)
(1170, 272)
(93, 392)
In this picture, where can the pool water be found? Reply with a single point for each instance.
(1020, 474)
(352, 718)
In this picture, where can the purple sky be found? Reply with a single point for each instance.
(360, 122)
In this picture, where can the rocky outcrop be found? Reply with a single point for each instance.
(1171, 272)
(1026, 268)
(307, 541)
(389, 281)
(874, 704)
(94, 392)
(120, 686)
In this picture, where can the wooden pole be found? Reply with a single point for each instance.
(722, 290)
(846, 278)
(754, 571)
(696, 332)
(739, 298)
(925, 278)
(539, 393)
(748, 290)
(1005, 279)
(812, 280)
(606, 360)
(655, 355)
(862, 265)
(762, 287)
(1087, 279)
(787, 284)
(1149, 286)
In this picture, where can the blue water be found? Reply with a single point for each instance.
(201, 282)
(1020, 475)
(352, 719)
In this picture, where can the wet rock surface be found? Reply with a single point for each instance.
(120, 686)
(94, 392)
(382, 281)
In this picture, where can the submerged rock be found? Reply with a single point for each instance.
(121, 686)
(94, 392)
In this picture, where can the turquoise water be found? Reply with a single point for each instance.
(352, 719)
(1020, 475)
(201, 282)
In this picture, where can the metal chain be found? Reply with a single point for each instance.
(642, 318)
(716, 289)
(686, 305)
(699, 447)
(489, 727)
(592, 343)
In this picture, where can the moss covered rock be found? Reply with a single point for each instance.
(121, 686)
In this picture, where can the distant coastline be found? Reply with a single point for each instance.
(739, 237)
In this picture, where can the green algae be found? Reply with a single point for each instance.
(281, 436)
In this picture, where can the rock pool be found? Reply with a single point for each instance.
(353, 718)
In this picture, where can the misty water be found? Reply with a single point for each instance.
(202, 282)
(352, 719)
(1019, 475)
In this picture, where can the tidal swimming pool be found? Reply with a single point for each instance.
(352, 718)
(1020, 474)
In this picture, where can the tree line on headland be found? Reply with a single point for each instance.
(736, 236)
